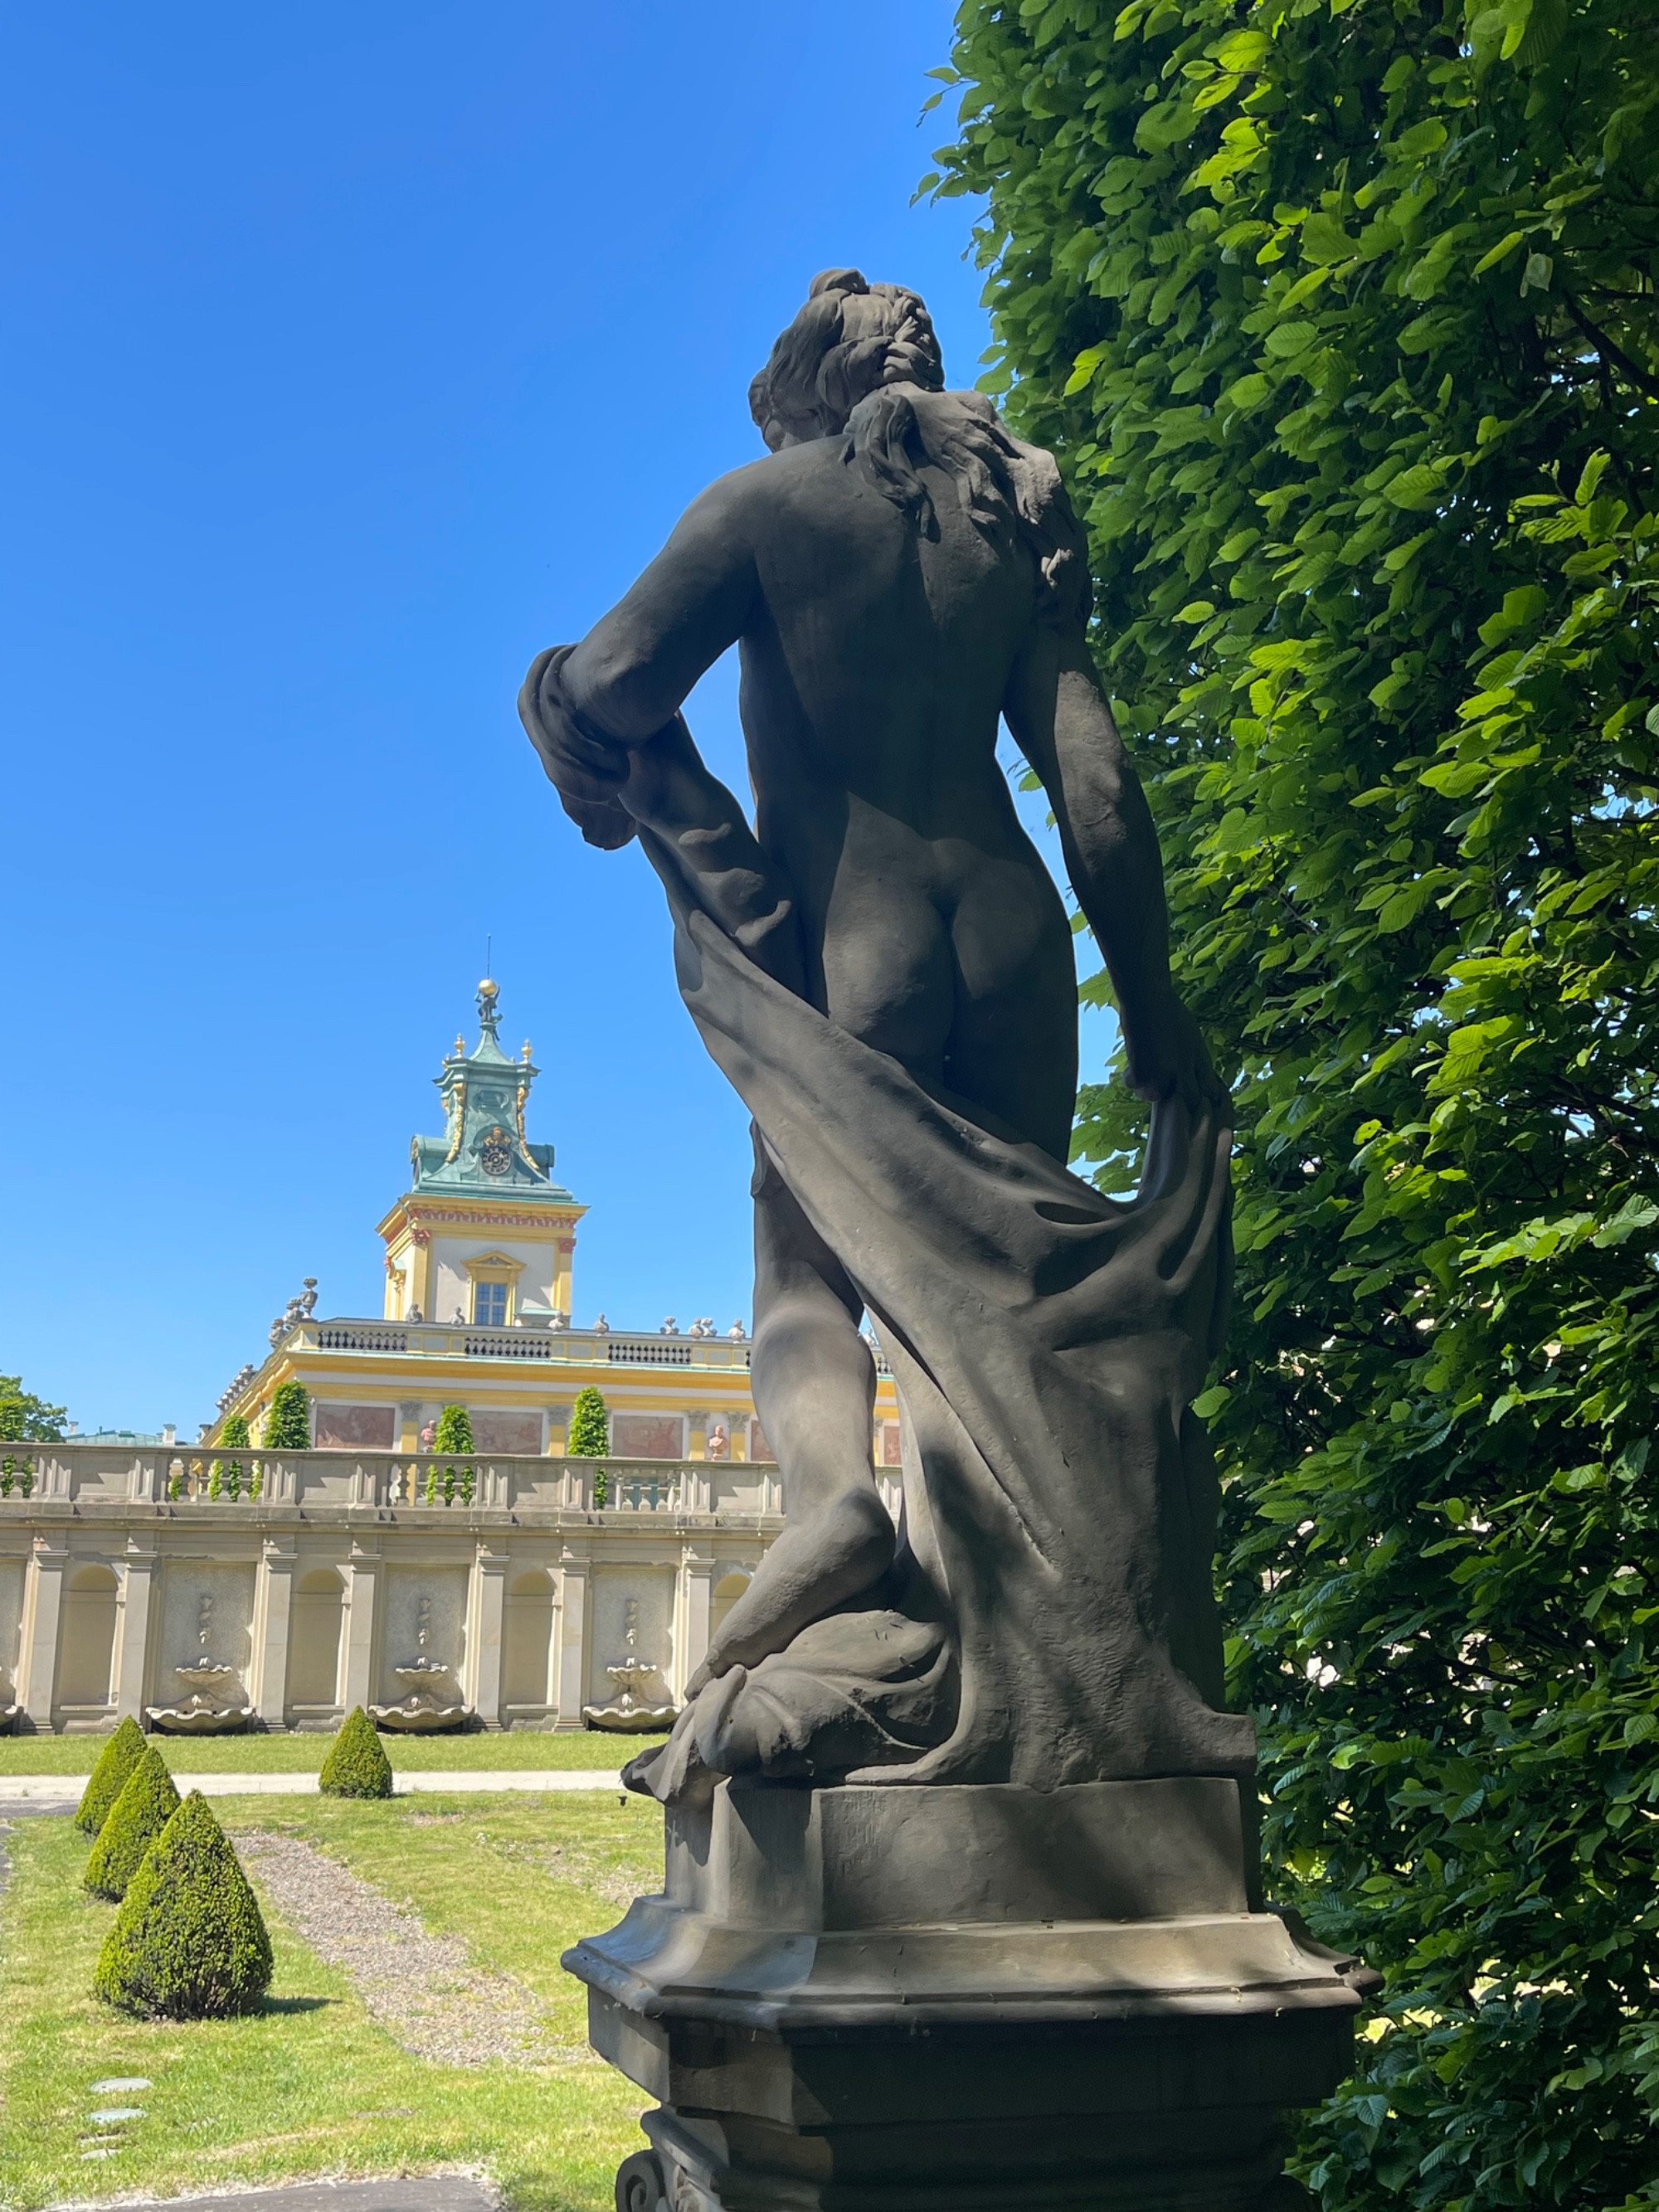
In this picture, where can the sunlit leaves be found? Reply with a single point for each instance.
(1342, 320)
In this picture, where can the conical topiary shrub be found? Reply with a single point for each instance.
(356, 1766)
(138, 1815)
(189, 1941)
(108, 1778)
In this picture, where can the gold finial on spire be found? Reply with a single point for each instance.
(525, 1054)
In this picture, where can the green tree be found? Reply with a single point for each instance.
(25, 1419)
(356, 1766)
(189, 1941)
(233, 1436)
(454, 1432)
(121, 1752)
(148, 1801)
(287, 1424)
(588, 1435)
(1341, 315)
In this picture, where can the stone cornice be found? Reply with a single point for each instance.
(478, 1213)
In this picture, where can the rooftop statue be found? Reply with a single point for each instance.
(883, 967)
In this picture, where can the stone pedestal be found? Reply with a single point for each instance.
(965, 1999)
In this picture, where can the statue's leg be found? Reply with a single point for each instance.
(815, 1386)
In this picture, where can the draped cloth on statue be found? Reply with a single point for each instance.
(1051, 1618)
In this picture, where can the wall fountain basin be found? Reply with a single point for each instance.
(210, 1706)
(632, 1711)
(429, 1704)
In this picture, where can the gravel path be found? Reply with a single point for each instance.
(419, 1985)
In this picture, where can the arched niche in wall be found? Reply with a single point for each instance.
(86, 1649)
(315, 1623)
(528, 1690)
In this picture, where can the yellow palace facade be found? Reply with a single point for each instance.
(280, 1584)
(479, 1267)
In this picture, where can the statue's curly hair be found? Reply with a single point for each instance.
(849, 340)
(862, 362)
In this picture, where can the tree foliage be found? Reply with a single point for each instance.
(25, 1419)
(588, 1435)
(454, 1432)
(148, 1801)
(1341, 316)
(121, 1752)
(356, 1765)
(287, 1424)
(189, 1941)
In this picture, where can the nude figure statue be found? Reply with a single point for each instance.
(883, 966)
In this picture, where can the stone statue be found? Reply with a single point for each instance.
(960, 1905)
(718, 1443)
(883, 968)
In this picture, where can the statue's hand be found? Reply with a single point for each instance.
(1168, 1056)
(585, 768)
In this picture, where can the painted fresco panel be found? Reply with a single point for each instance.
(648, 1436)
(519, 1433)
(362, 1428)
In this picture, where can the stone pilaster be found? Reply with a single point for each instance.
(361, 1572)
(43, 1600)
(482, 1687)
(133, 1628)
(693, 1596)
(273, 1592)
(573, 1632)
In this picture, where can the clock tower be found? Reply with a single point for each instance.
(483, 1236)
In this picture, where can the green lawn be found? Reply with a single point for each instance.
(313, 2085)
(304, 1755)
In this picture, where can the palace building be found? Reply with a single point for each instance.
(209, 1586)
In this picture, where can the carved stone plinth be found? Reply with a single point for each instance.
(965, 1999)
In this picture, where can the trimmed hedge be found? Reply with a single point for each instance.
(356, 1766)
(589, 1434)
(109, 1777)
(189, 1942)
(287, 1424)
(146, 1804)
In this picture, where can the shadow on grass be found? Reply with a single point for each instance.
(297, 2004)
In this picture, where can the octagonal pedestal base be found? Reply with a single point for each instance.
(965, 2000)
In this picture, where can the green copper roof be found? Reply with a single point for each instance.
(483, 1150)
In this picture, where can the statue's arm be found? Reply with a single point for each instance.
(589, 707)
(630, 673)
(1059, 720)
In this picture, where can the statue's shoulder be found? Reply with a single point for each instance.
(761, 485)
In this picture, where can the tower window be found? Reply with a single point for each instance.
(490, 1304)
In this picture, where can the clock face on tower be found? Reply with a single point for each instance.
(496, 1153)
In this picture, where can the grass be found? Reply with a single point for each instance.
(313, 2085)
(304, 1755)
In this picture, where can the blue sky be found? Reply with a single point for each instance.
(352, 355)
